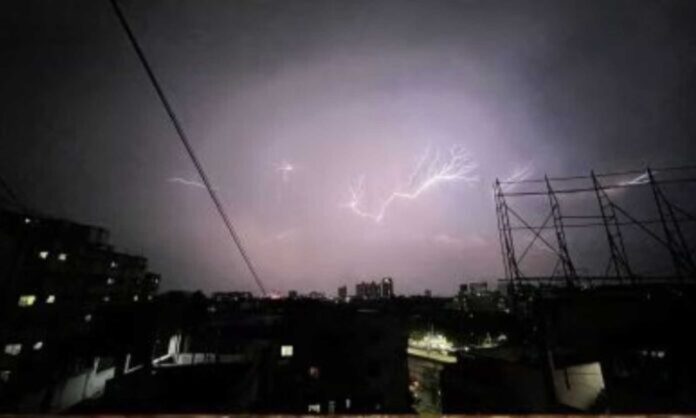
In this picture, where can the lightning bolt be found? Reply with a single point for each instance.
(641, 179)
(520, 174)
(432, 169)
(185, 182)
(285, 169)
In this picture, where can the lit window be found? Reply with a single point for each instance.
(135, 298)
(113, 265)
(27, 220)
(286, 351)
(5, 375)
(62, 257)
(106, 298)
(110, 281)
(51, 299)
(13, 349)
(43, 254)
(314, 407)
(347, 403)
(38, 345)
(314, 372)
(26, 300)
(149, 297)
(88, 317)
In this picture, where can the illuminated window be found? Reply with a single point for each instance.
(38, 345)
(13, 349)
(51, 299)
(149, 297)
(106, 298)
(113, 265)
(43, 254)
(27, 220)
(286, 351)
(314, 407)
(26, 300)
(110, 281)
(314, 372)
(135, 298)
(88, 317)
(5, 375)
(62, 257)
(347, 403)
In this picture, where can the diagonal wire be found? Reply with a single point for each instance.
(531, 228)
(537, 233)
(187, 145)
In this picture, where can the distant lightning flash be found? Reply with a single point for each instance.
(520, 174)
(432, 169)
(185, 182)
(285, 169)
(641, 179)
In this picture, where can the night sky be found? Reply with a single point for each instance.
(292, 104)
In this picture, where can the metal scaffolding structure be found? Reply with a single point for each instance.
(609, 216)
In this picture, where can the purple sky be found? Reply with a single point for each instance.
(338, 90)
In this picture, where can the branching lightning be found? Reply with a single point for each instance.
(432, 169)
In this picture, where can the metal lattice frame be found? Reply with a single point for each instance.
(611, 218)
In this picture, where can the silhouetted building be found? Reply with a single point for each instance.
(290, 356)
(375, 290)
(62, 288)
(387, 287)
(478, 287)
(316, 295)
(231, 296)
(343, 293)
(463, 289)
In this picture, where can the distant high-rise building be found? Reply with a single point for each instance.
(387, 287)
(478, 287)
(374, 290)
(463, 289)
(316, 295)
(343, 293)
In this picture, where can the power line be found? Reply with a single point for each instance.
(187, 145)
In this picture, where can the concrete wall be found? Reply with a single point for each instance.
(578, 386)
(73, 390)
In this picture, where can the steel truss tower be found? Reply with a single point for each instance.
(612, 218)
